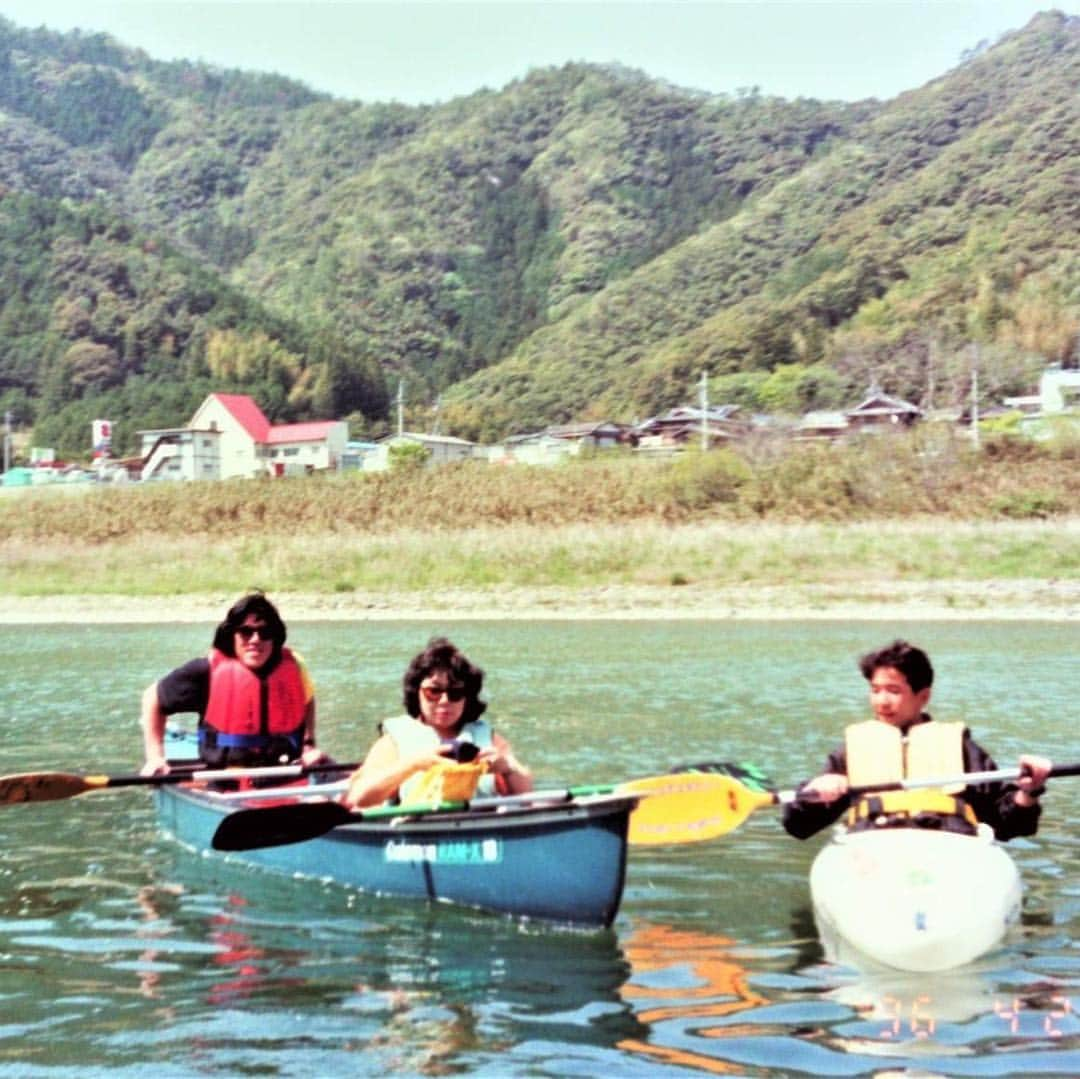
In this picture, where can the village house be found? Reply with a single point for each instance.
(1059, 390)
(441, 449)
(881, 410)
(229, 436)
(558, 442)
(352, 460)
(877, 412)
(531, 448)
(822, 425)
(604, 435)
(685, 425)
(1058, 402)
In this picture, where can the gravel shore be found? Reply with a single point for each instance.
(1038, 600)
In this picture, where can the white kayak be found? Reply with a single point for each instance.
(913, 899)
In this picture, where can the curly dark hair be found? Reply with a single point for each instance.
(442, 655)
(912, 662)
(257, 604)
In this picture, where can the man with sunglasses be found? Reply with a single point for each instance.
(254, 697)
(442, 701)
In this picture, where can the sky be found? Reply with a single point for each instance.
(423, 52)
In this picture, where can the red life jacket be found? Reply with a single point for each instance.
(251, 717)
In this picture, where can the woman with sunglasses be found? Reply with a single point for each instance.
(254, 697)
(443, 706)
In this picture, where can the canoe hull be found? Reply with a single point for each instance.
(912, 899)
(558, 863)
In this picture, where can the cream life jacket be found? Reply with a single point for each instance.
(877, 753)
(411, 736)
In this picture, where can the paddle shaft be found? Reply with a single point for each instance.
(493, 801)
(220, 775)
(969, 779)
(53, 786)
(325, 790)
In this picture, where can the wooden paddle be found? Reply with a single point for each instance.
(674, 808)
(734, 800)
(53, 786)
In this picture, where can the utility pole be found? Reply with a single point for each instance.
(931, 373)
(400, 407)
(703, 396)
(975, 396)
(7, 440)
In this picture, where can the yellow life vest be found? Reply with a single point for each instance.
(880, 753)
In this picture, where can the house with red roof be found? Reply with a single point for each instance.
(229, 436)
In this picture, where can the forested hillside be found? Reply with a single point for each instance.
(582, 242)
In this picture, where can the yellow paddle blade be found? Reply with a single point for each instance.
(690, 807)
(46, 786)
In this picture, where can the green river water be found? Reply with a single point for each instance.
(122, 954)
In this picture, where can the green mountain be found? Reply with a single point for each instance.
(582, 243)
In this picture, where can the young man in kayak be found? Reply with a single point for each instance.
(903, 742)
(254, 697)
(442, 701)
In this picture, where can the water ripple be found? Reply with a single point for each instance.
(122, 954)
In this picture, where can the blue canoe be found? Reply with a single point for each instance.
(559, 862)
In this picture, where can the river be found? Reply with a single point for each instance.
(121, 953)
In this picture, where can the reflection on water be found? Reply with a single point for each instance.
(708, 1006)
(436, 983)
(680, 976)
(122, 953)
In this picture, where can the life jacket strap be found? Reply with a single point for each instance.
(221, 740)
(932, 809)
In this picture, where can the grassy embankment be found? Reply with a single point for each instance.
(855, 518)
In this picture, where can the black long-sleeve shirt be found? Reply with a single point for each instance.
(993, 803)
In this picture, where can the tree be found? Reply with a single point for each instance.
(795, 388)
(241, 358)
(408, 456)
(91, 366)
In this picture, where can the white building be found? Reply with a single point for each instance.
(230, 436)
(295, 448)
(1057, 405)
(1059, 390)
(442, 449)
(181, 453)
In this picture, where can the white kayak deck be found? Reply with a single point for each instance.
(913, 899)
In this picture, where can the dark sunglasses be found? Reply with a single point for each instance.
(434, 693)
(248, 632)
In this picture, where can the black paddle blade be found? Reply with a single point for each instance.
(276, 826)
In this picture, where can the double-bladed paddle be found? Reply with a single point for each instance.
(53, 786)
(675, 808)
